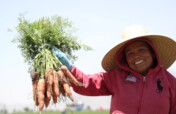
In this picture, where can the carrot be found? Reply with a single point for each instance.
(54, 98)
(47, 93)
(53, 84)
(36, 101)
(50, 77)
(48, 85)
(47, 100)
(67, 90)
(48, 90)
(70, 76)
(61, 89)
(35, 77)
(56, 84)
(62, 79)
(34, 86)
(64, 88)
(41, 92)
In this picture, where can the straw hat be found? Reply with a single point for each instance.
(165, 46)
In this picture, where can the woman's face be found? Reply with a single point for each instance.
(139, 57)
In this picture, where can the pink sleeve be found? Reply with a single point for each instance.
(93, 85)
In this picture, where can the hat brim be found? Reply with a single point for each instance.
(165, 46)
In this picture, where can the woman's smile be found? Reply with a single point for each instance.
(138, 62)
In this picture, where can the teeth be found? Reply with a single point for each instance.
(138, 62)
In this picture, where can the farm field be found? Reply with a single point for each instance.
(69, 112)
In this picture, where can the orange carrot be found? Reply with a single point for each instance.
(36, 101)
(68, 91)
(41, 92)
(61, 89)
(70, 76)
(34, 86)
(50, 76)
(47, 93)
(62, 79)
(64, 88)
(48, 86)
(47, 100)
(56, 84)
(35, 77)
(48, 90)
(54, 98)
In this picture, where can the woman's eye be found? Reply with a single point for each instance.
(130, 54)
(142, 49)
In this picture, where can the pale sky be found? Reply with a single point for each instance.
(100, 24)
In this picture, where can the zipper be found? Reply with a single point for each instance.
(144, 78)
(142, 92)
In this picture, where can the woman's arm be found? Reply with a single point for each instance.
(93, 85)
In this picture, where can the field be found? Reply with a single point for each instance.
(69, 112)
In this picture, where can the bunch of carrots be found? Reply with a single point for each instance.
(50, 79)
(53, 85)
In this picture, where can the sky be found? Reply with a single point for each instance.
(100, 24)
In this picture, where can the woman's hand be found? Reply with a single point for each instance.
(62, 57)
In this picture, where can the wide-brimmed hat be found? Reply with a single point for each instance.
(165, 46)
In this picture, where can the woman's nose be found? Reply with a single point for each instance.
(136, 55)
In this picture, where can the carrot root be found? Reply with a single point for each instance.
(41, 92)
(70, 76)
(56, 84)
(52, 86)
(35, 77)
(68, 91)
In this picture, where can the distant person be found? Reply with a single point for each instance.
(136, 74)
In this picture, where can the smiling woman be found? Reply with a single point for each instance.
(136, 75)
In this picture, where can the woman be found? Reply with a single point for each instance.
(136, 75)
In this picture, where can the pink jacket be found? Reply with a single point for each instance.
(131, 92)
